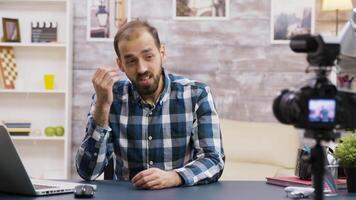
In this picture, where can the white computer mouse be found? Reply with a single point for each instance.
(298, 192)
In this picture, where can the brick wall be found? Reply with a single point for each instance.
(234, 57)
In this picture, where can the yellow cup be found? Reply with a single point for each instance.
(49, 81)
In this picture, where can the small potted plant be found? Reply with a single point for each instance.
(345, 152)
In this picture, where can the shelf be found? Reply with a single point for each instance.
(38, 138)
(21, 44)
(43, 156)
(33, 1)
(32, 91)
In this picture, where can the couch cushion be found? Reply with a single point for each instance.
(285, 172)
(245, 171)
(248, 171)
(259, 142)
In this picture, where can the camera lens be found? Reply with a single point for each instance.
(286, 108)
(304, 43)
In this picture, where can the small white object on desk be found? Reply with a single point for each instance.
(298, 192)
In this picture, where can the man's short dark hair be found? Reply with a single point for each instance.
(125, 31)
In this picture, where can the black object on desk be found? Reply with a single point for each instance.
(83, 191)
(303, 165)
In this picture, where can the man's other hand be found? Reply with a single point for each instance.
(154, 178)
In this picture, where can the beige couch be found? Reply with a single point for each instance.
(255, 150)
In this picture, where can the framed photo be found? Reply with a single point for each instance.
(289, 18)
(105, 17)
(201, 9)
(11, 29)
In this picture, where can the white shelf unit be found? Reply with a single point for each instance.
(29, 44)
(43, 157)
(38, 138)
(40, 91)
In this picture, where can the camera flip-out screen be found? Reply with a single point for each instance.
(322, 110)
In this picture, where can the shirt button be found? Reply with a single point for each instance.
(151, 162)
(149, 137)
(95, 154)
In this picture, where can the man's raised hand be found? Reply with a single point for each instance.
(103, 81)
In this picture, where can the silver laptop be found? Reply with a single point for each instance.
(14, 178)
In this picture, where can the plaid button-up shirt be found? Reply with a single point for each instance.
(180, 132)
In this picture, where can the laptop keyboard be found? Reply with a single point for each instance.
(39, 187)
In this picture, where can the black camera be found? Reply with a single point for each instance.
(318, 105)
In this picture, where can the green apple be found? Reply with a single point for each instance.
(50, 131)
(59, 131)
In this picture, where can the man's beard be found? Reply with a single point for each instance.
(150, 89)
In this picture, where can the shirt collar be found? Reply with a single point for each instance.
(163, 95)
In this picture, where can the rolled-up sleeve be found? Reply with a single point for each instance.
(95, 149)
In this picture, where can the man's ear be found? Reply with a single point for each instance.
(162, 51)
(119, 64)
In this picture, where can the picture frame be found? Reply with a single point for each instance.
(201, 9)
(289, 18)
(105, 17)
(11, 30)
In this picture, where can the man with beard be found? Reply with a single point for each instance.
(162, 129)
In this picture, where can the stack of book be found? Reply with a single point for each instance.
(285, 181)
(18, 128)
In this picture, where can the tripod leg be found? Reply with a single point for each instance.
(317, 162)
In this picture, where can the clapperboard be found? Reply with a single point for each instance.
(44, 31)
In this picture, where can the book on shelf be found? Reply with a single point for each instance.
(16, 124)
(18, 128)
(285, 181)
(19, 133)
